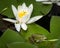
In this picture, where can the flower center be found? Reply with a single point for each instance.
(22, 13)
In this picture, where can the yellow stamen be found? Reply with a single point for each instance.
(22, 13)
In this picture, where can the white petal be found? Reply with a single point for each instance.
(34, 19)
(24, 5)
(24, 26)
(24, 19)
(31, 8)
(19, 7)
(23, 8)
(17, 26)
(10, 20)
(14, 11)
(47, 2)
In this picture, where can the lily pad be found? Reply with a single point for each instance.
(55, 27)
(2, 44)
(21, 45)
(55, 34)
(10, 36)
(34, 29)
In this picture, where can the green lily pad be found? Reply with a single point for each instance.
(2, 45)
(10, 36)
(34, 29)
(55, 34)
(55, 27)
(57, 44)
(21, 45)
(46, 9)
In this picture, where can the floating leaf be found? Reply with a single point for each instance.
(34, 29)
(21, 45)
(10, 36)
(57, 44)
(55, 27)
(55, 34)
(2, 44)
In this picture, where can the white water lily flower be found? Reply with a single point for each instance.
(22, 15)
